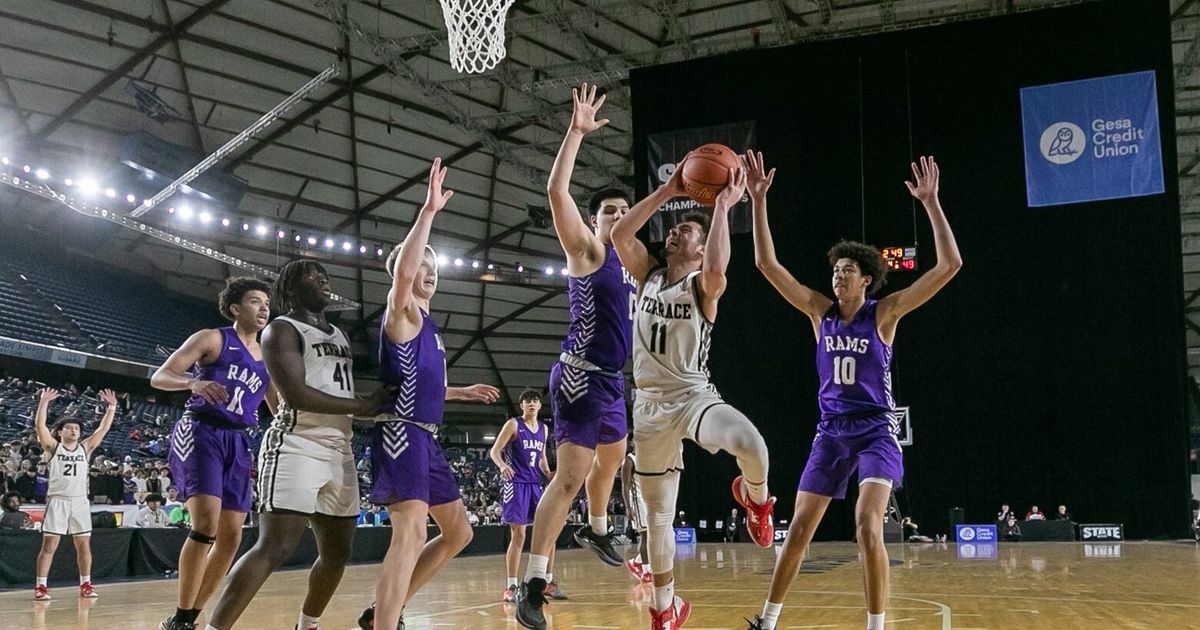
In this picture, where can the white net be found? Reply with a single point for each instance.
(476, 29)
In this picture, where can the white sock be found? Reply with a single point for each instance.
(646, 568)
(756, 492)
(875, 622)
(512, 581)
(41, 581)
(210, 627)
(638, 559)
(537, 567)
(664, 596)
(307, 622)
(84, 579)
(770, 615)
(549, 577)
(599, 524)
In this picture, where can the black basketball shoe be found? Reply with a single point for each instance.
(366, 620)
(601, 545)
(531, 597)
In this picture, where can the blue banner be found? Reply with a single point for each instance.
(1092, 139)
(975, 534)
(685, 535)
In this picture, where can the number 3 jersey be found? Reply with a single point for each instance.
(328, 364)
(854, 364)
(243, 377)
(525, 451)
(671, 337)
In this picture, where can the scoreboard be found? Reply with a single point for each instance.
(900, 258)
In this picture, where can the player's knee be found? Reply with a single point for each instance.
(518, 534)
(749, 445)
(870, 535)
(460, 536)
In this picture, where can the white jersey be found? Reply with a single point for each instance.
(671, 337)
(327, 367)
(68, 472)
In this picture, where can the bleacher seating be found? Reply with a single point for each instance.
(119, 314)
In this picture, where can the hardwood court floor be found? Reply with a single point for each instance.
(1030, 585)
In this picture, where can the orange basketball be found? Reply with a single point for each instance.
(706, 172)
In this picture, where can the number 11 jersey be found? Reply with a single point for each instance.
(671, 336)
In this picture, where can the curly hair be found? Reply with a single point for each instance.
(285, 284)
(236, 289)
(869, 261)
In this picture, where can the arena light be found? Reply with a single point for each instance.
(206, 217)
(88, 186)
(378, 251)
(224, 221)
(280, 234)
(185, 212)
(171, 210)
(130, 198)
(110, 193)
(26, 169)
(474, 264)
(549, 271)
(68, 182)
(491, 267)
(245, 226)
(563, 271)
(520, 268)
(312, 240)
(260, 229)
(442, 261)
(362, 249)
(43, 174)
(458, 262)
(295, 236)
(4, 160)
(328, 243)
(346, 246)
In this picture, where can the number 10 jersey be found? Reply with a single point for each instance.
(671, 337)
(854, 364)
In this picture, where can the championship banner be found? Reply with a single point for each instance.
(1091, 140)
(666, 149)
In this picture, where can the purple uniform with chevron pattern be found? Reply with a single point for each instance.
(406, 461)
(858, 424)
(520, 496)
(210, 451)
(589, 405)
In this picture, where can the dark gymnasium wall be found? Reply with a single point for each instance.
(1051, 369)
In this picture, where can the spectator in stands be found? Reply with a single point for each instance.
(731, 526)
(1012, 531)
(180, 516)
(1035, 515)
(1063, 514)
(129, 487)
(172, 501)
(41, 483)
(11, 516)
(681, 519)
(373, 516)
(1005, 512)
(154, 485)
(26, 480)
(153, 515)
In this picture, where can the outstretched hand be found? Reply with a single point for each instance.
(732, 193)
(583, 118)
(482, 392)
(49, 395)
(758, 179)
(109, 397)
(926, 176)
(436, 198)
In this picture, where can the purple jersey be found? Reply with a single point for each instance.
(243, 376)
(855, 366)
(418, 370)
(525, 451)
(602, 314)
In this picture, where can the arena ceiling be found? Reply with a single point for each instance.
(350, 161)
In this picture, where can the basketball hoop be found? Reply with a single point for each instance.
(476, 29)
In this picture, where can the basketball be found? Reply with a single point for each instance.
(706, 172)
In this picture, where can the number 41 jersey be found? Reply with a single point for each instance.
(671, 337)
(854, 364)
(328, 366)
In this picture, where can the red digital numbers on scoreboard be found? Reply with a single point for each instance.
(900, 258)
